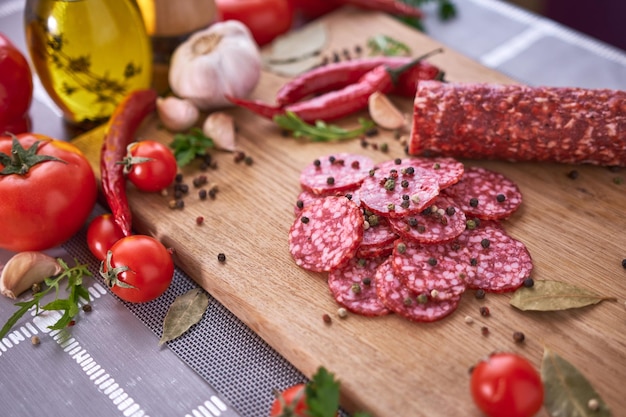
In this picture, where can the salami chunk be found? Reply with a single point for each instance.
(502, 262)
(354, 287)
(440, 222)
(519, 123)
(406, 303)
(485, 194)
(335, 173)
(398, 191)
(438, 271)
(326, 234)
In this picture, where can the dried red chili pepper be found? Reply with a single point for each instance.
(340, 74)
(340, 103)
(396, 7)
(122, 125)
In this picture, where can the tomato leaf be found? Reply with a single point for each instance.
(553, 296)
(567, 391)
(184, 312)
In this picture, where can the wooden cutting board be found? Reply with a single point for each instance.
(388, 366)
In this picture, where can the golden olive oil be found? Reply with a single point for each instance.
(88, 54)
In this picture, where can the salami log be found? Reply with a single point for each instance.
(519, 123)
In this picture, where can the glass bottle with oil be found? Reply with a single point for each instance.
(88, 54)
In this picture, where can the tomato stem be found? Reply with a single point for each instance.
(110, 275)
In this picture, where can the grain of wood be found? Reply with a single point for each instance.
(388, 366)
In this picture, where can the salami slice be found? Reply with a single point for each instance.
(354, 287)
(335, 173)
(375, 251)
(447, 170)
(399, 191)
(406, 303)
(326, 234)
(485, 194)
(519, 123)
(502, 262)
(306, 197)
(438, 270)
(440, 222)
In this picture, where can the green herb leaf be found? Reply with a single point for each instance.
(554, 296)
(184, 312)
(188, 146)
(388, 46)
(322, 394)
(68, 306)
(567, 391)
(321, 131)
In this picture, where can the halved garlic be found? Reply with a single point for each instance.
(25, 269)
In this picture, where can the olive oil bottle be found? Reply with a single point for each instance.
(88, 54)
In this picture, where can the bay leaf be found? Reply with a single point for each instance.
(186, 310)
(567, 391)
(547, 295)
(299, 43)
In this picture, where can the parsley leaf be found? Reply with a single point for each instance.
(68, 306)
(322, 395)
(320, 131)
(188, 146)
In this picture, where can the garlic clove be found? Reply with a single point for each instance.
(177, 114)
(384, 113)
(25, 269)
(220, 127)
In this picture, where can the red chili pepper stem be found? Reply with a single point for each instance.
(395, 73)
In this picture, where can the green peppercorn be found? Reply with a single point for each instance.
(390, 184)
(401, 248)
(356, 288)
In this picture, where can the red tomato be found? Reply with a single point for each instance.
(102, 234)
(506, 385)
(141, 268)
(310, 9)
(266, 19)
(16, 86)
(290, 402)
(49, 203)
(155, 174)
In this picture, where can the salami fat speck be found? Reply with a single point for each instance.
(519, 123)
(440, 222)
(354, 287)
(326, 234)
(406, 303)
(335, 173)
(485, 194)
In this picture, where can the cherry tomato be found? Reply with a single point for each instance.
(138, 268)
(290, 402)
(506, 385)
(102, 234)
(266, 19)
(44, 206)
(310, 9)
(16, 87)
(154, 174)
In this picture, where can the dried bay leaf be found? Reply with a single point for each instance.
(184, 312)
(296, 51)
(567, 391)
(554, 296)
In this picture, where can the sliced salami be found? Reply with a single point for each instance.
(335, 173)
(519, 123)
(326, 234)
(406, 303)
(399, 191)
(306, 197)
(375, 251)
(354, 287)
(502, 262)
(447, 170)
(485, 194)
(438, 270)
(440, 222)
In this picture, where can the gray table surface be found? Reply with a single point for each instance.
(110, 363)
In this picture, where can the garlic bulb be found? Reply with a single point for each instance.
(222, 59)
(177, 114)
